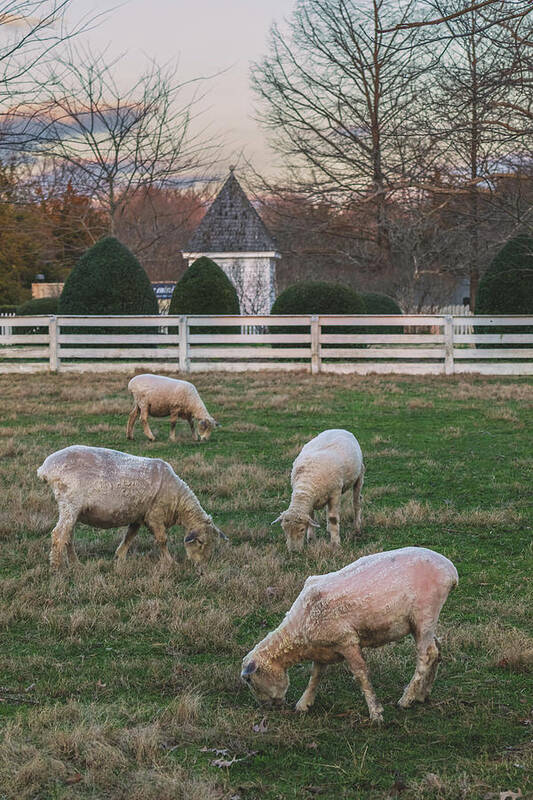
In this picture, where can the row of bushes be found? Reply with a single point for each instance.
(108, 279)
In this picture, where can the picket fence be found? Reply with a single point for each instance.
(420, 344)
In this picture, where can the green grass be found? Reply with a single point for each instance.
(124, 684)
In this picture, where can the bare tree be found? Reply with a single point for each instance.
(31, 31)
(337, 95)
(466, 116)
(120, 143)
(508, 10)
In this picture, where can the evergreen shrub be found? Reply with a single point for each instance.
(204, 288)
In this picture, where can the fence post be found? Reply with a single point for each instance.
(184, 345)
(448, 345)
(315, 345)
(53, 344)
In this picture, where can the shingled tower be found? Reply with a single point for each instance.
(234, 236)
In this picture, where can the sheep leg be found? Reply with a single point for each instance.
(173, 419)
(358, 485)
(193, 429)
(160, 534)
(357, 664)
(427, 663)
(144, 421)
(62, 536)
(308, 698)
(132, 419)
(311, 535)
(334, 509)
(122, 550)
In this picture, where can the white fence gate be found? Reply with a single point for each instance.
(407, 344)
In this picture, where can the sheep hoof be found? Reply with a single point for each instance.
(405, 702)
(377, 719)
(302, 705)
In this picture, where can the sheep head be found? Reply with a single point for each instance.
(200, 540)
(294, 526)
(206, 427)
(268, 682)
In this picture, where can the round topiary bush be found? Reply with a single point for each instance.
(318, 297)
(377, 303)
(35, 307)
(108, 279)
(204, 288)
(507, 285)
(38, 305)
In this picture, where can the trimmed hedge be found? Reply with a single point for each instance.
(377, 303)
(507, 285)
(108, 279)
(38, 305)
(204, 288)
(318, 297)
(8, 309)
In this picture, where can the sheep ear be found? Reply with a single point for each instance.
(192, 536)
(312, 522)
(278, 519)
(249, 669)
(222, 534)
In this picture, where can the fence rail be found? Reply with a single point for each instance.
(409, 344)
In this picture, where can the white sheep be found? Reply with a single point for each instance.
(108, 489)
(325, 468)
(378, 599)
(159, 396)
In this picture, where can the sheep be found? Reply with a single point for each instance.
(159, 396)
(325, 468)
(107, 489)
(377, 599)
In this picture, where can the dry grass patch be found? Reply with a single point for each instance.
(414, 512)
(452, 432)
(78, 750)
(419, 402)
(503, 646)
(504, 414)
(375, 492)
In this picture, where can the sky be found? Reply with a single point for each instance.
(206, 37)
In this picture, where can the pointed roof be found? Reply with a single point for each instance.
(231, 225)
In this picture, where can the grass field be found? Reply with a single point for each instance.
(126, 684)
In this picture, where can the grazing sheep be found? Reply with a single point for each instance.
(159, 396)
(327, 466)
(378, 599)
(107, 489)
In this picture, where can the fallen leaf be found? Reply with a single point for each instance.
(223, 762)
(312, 746)
(100, 685)
(218, 751)
(399, 784)
(433, 781)
(73, 779)
(508, 795)
(261, 727)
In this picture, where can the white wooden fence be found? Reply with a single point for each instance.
(420, 344)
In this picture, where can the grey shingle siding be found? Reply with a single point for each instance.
(231, 225)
